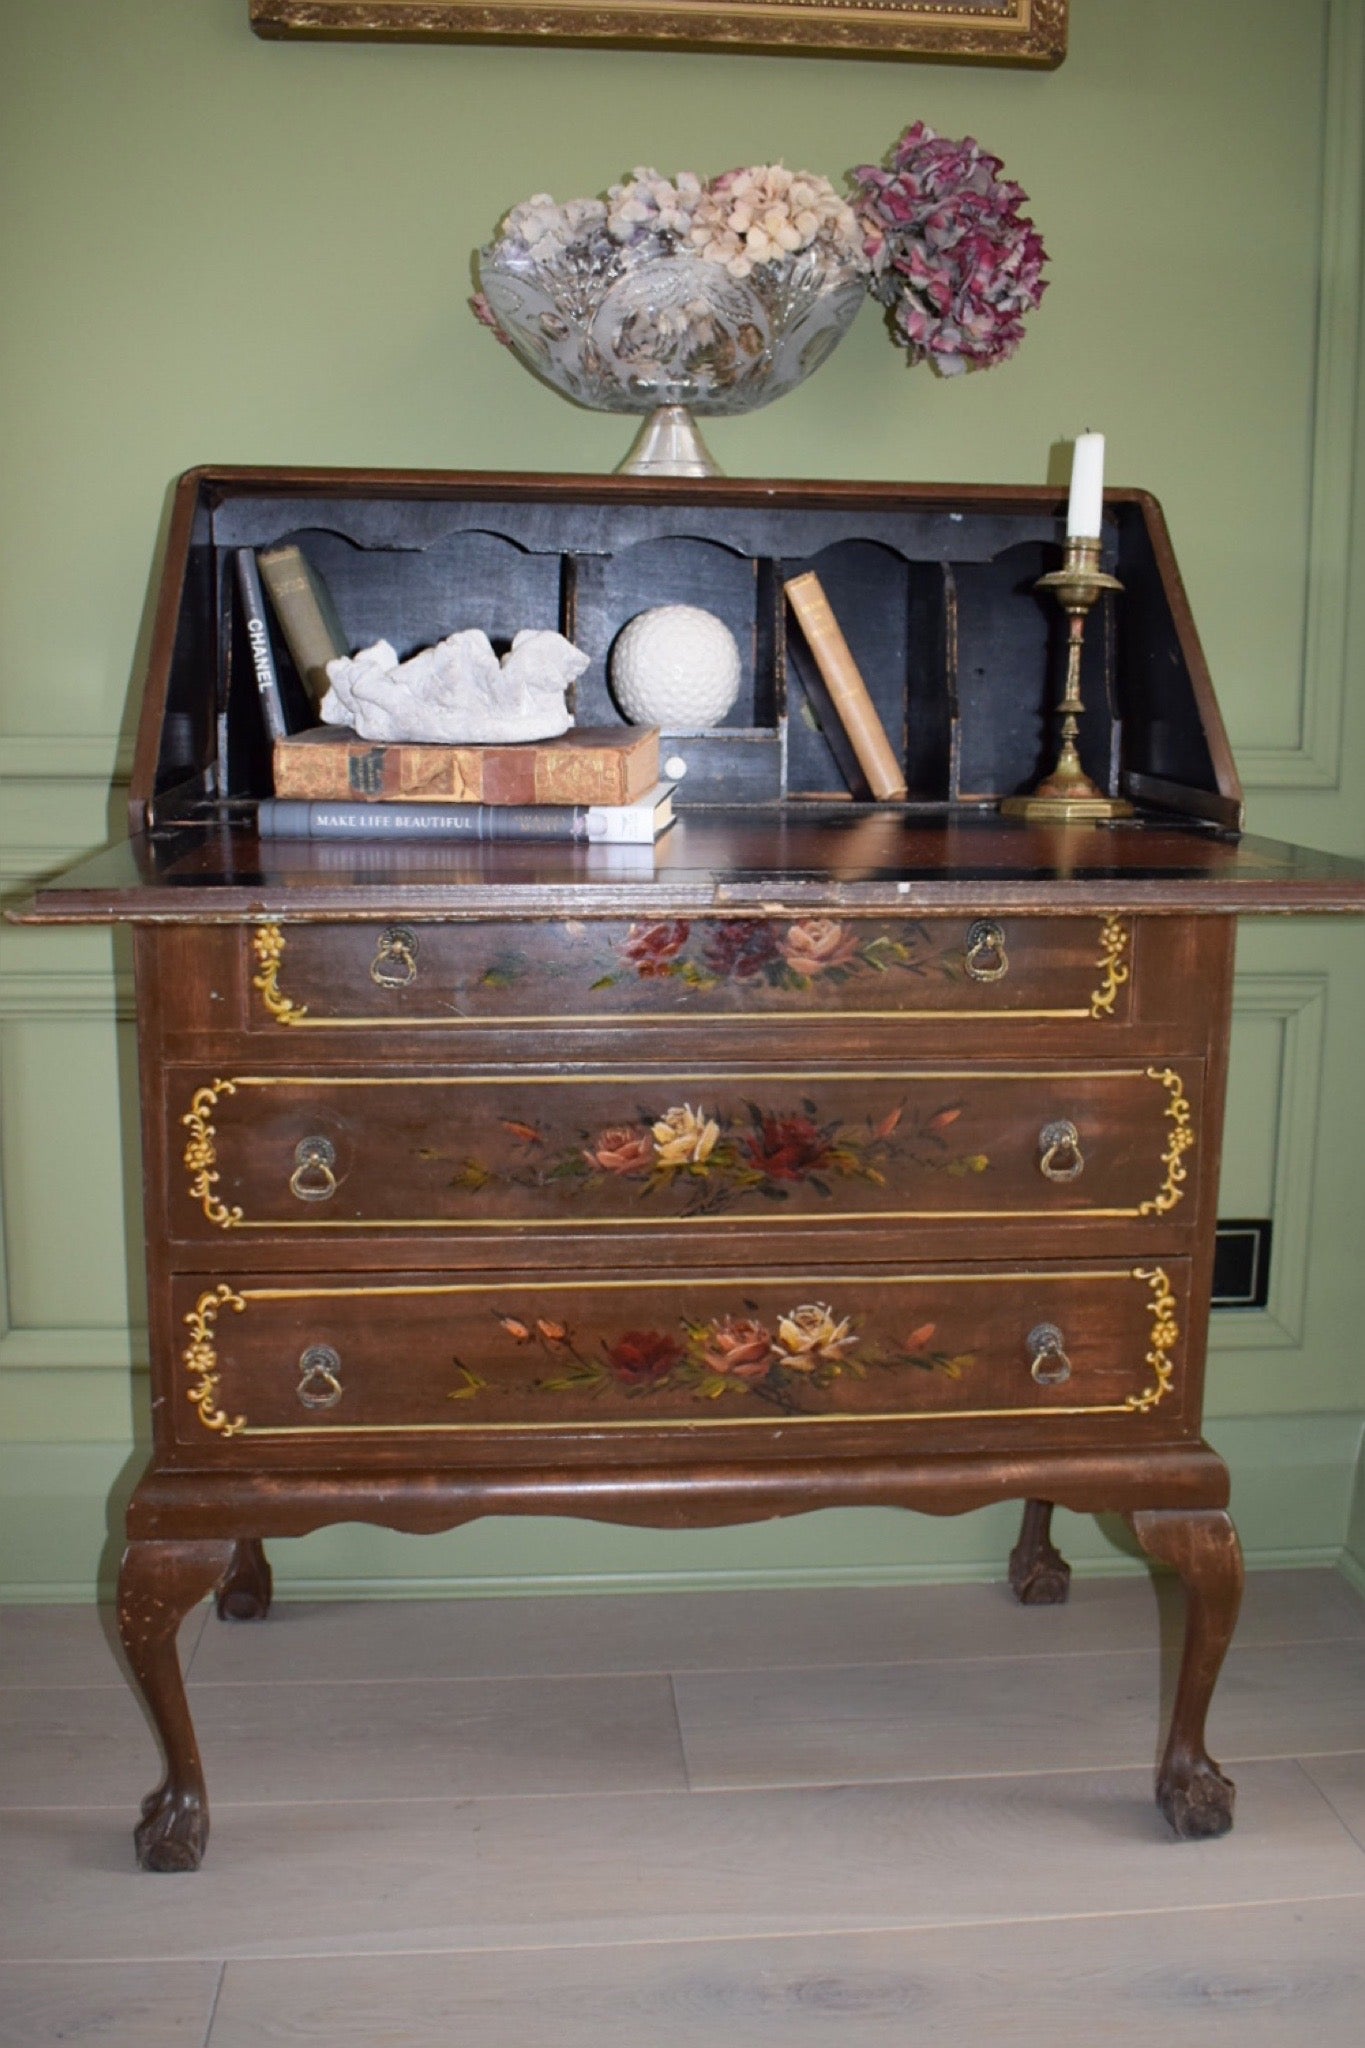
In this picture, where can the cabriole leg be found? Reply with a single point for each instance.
(1039, 1574)
(158, 1584)
(1201, 1545)
(245, 1593)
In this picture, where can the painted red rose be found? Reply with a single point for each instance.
(739, 949)
(622, 1149)
(641, 1358)
(651, 947)
(738, 1348)
(787, 1147)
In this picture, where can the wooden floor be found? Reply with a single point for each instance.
(734, 1820)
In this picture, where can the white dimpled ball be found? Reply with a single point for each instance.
(675, 666)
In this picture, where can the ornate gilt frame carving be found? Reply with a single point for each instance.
(981, 31)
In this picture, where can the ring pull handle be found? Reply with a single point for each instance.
(313, 1179)
(1061, 1157)
(985, 953)
(395, 957)
(1049, 1363)
(320, 1384)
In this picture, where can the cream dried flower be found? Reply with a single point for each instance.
(762, 213)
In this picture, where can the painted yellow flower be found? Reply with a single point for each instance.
(809, 1336)
(684, 1137)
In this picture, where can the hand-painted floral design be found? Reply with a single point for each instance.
(787, 1148)
(809, 1347)
(623, 1150)
(642, 1358)
(740, 949)
(684, 1137)
(652, 948)
(810, 1337)
(791, 956)
(818, 945)
(704, 1163)
(737, 1345)
(794, 956)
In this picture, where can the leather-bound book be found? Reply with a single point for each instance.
(303, 605)
(588, 765)
(847, 691)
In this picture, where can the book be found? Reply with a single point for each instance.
(587, 765)
(848, 693)
(637, 824)
(303, 605)
(258, 639)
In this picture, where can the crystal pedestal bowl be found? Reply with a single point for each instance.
(671, 337)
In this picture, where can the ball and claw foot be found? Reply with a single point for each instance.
(173, 1832)
(1039, 1575)
(1197, 1801)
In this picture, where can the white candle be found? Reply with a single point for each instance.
(1085, 507)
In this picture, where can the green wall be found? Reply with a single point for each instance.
(221, 250)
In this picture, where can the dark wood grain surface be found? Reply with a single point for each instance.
(826, 857)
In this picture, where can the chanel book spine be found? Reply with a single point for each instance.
(258, 639)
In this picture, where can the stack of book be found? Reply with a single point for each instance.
(595, 784)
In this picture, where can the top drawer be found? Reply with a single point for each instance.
(442, 977)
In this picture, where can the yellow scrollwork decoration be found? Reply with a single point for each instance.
(268, 945)
(201, 1153)
(201, 1358)
(1165, 1337)
(1113, 946)
(1178, 1143)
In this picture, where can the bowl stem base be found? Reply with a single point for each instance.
(669, 443)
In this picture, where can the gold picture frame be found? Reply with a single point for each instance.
(966, 31)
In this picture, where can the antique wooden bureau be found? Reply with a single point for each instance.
(824, 1154)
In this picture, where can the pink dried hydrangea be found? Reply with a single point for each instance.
(953, 259)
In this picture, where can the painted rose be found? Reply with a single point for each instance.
(787, 1147)
(685, 1137)
(641, 1358)
(809, 1337)
(622, 1149)
(738, 1348)
(817, 944)
(651, 947)
(740, 949)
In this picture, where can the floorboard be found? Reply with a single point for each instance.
(693, 1821)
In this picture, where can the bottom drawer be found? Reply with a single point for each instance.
(327, 1356)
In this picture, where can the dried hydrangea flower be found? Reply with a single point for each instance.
(542, 231)
(763, 213)
(649, 208)
(954, 260)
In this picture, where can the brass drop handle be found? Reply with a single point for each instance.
(1049, 1363)
(313, 1179)
(1060, 1154)
(395, 957)
(320, 1385)
(985, 953)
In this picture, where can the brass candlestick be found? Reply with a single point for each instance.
(1068, 796)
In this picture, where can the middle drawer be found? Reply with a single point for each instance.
(699, 1151)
